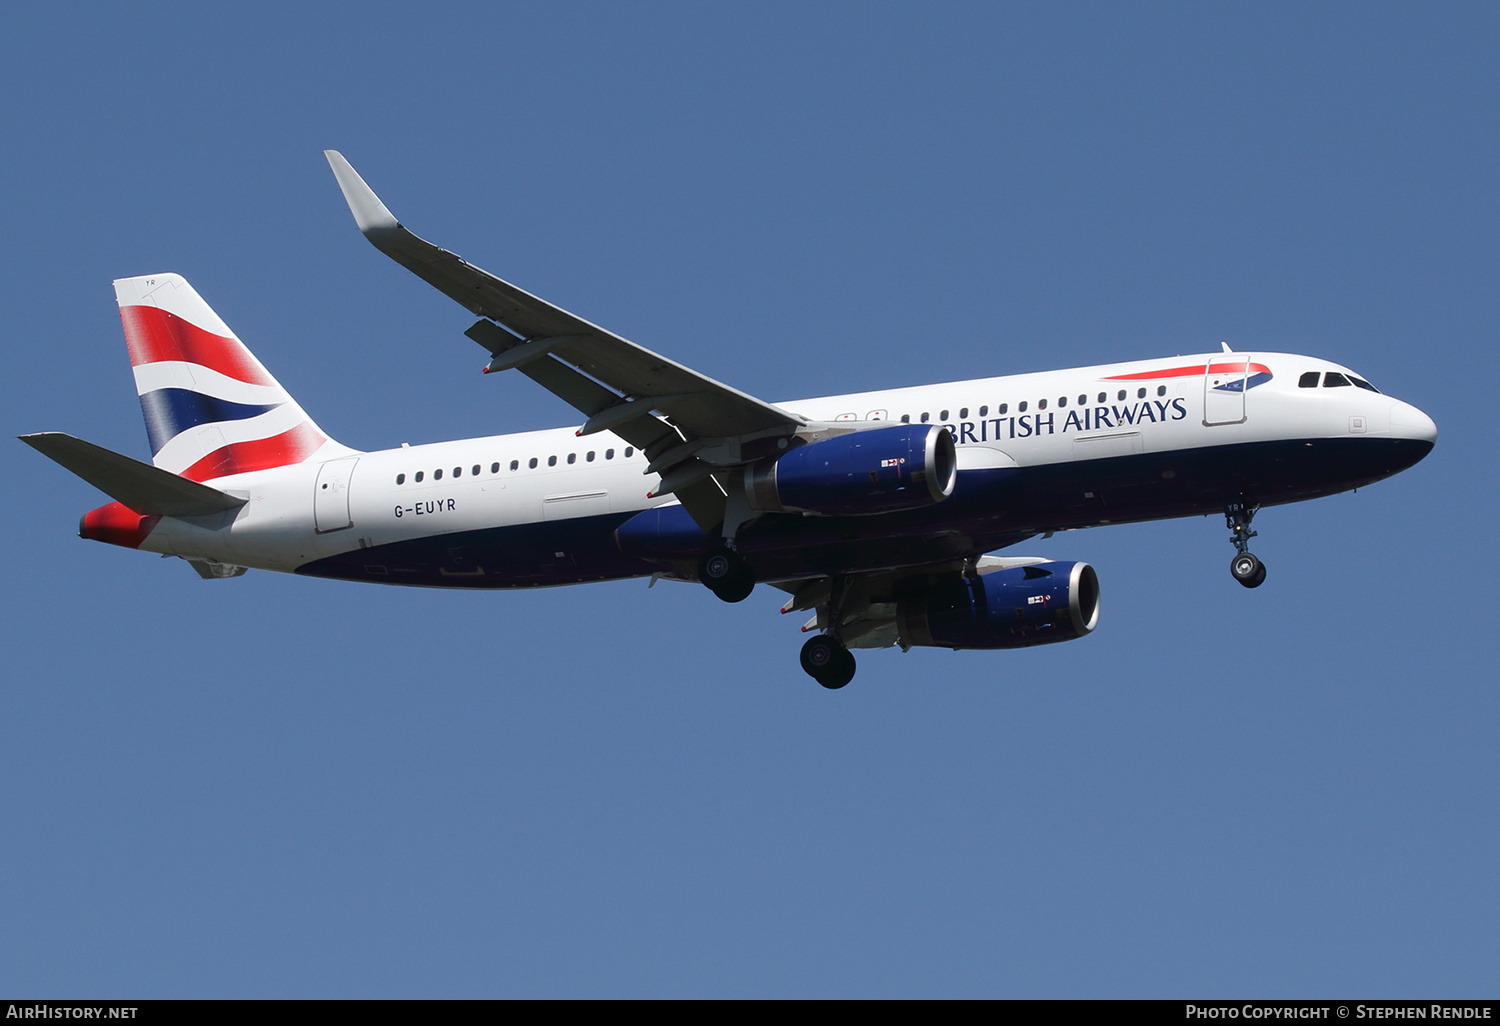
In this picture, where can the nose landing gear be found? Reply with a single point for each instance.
(1245, 567)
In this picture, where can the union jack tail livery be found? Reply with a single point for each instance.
(211, 409)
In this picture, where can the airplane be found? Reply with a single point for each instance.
(881, 513)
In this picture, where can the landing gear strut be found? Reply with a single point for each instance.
(825, 657)
(1245, 567)
(827, 661)
(725, 573)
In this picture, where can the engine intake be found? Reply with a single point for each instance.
(1010, 608)
(875, 471)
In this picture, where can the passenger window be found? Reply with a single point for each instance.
(1121, 397)
(1332, 380)
(590, 456)
(458, 471)
(495, 468)
(401, 479)
(1102, 397)
(906, 418)
(532, 464)
(984, 411)
(551, 461)
(1062, 401)
(1140, 393)
(944, 416)
(418, 478)
(1309, 380)
(572, 457)
(1083, 400)
(1041, 404)
(1021, 407)
(475, 471)
(963, 414)
(629, 451)
(609, 454)
(515, 464)
(924, 418)
(1002, 409)
(1161, 389)
(437, 475)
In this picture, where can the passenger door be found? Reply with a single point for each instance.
(1224, 384)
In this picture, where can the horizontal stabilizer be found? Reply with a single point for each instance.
(139, 486)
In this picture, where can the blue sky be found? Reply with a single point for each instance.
(272, 786)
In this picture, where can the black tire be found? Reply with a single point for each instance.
(718, 566)
(840, 673)
(725, 573)
(1248, 570)
(818, 653)
(827, 662)
(738, 589)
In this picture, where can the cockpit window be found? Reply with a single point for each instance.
(1309, 380)
(1332, 380)
(1362, 383)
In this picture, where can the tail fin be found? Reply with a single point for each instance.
(211, 409)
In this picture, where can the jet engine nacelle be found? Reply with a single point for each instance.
(1011, 608)
(876, 471)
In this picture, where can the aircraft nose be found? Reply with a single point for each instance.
(1409, 422)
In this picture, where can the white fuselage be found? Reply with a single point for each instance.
(378, 498)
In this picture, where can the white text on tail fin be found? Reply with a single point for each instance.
(211, 409)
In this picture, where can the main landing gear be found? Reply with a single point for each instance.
(725, 573)
(827, 661)
(1245, 567)
(825, 657)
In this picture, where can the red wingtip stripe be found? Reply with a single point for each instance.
(153, 335)
(281, 450)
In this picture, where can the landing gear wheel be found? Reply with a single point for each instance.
(726, 574)
(1248, 570)
(827, 662)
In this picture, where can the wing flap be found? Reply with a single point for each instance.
(703, 499)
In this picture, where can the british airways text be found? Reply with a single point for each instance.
(1092, 418)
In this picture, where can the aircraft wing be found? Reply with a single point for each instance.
(613, 382)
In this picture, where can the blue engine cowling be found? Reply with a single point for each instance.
(1012, 608)
(875, 471)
